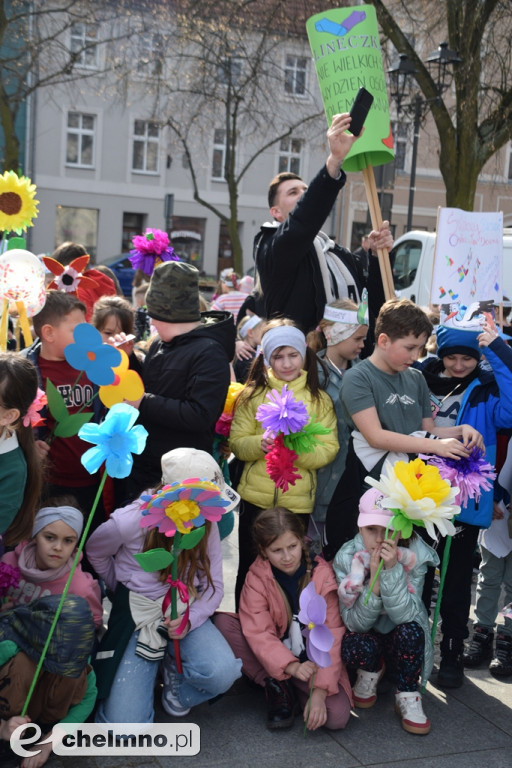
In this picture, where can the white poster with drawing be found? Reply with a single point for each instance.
(468, 258)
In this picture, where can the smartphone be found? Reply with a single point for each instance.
(129, 337)
(359, 111)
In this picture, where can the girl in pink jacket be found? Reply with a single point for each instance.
(266, 633)
(44, 562)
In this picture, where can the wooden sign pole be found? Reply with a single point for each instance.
(376, 219)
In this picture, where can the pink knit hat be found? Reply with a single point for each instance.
(371, 512)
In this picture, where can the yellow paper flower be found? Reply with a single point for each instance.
(127, 384)
(182, 511)
(17, 204)
(420, 493)
(234, 390)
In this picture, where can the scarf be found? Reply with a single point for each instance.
(352, 585)
(444, 385)
(335, 275)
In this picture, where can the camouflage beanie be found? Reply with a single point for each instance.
(173, 293)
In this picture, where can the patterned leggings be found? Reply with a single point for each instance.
(402, 649)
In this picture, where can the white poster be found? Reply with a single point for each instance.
(468, 258)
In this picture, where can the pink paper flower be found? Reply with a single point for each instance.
(280, 465)
(9, 577)
(150, 249)
(33, 417)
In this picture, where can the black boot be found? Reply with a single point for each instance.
(280, 703)
(451, 668)
(480, 647)
(501, 665)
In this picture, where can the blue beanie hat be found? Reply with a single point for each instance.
(451, 341)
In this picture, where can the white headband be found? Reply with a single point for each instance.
(339, 332)
(346, 316)
(249, 325)
(283, 336)
(69, 515)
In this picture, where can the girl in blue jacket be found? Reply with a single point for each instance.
(464, 390)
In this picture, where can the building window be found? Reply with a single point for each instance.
(229, 71)
(150, 62)
(84, 43)
(79, 225)
(219, 154)
(80, 139)
(146, 146)
(290, 151)
(400, 137)
(133, 224)
(295, 72)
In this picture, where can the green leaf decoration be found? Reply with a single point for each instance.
(305, 440)
(71, 424)
(401, 523)
(154, 559)
(189, 540)
(56, 404)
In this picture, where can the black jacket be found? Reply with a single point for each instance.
(287, 261)
(186, 381)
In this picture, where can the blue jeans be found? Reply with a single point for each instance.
(209, 669)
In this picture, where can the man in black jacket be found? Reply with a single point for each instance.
(300, 268)
(186, 371)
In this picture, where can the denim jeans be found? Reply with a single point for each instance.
(209, 669)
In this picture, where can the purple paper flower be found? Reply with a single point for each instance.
(319, 638)
(151, 248)
(9, 577)
(471, 474)
(283, 413)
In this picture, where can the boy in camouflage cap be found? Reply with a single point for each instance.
(186, 372)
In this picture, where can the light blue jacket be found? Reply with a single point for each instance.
(396, 604)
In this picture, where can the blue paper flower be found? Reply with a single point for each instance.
(116, 439)
(283, 413)
(88, 353)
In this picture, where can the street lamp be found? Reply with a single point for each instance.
(400, 76)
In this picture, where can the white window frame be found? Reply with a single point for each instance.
(146, 140)
(219, 147)
(400, 130)
(84, 34)
(230, 71)
(288, 153)
(81, 132)
(295, 66)
(150, 55)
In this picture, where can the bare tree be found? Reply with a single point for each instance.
(51, 42)
(480, 121)
(226, 68)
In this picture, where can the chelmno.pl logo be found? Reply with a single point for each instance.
(77, 739)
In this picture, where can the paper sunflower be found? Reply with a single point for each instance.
(183, 506)
(17, 204)
(418, 495)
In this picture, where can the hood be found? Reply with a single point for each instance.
(443, 385)
(218, 326)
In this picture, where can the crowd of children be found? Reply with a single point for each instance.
(321, 539)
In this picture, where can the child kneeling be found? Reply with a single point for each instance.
(267, 636)
(392, 626)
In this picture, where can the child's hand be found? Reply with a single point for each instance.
(374, 567)
(172, 625)
(488, 335)
(472, 438)
(122, 341)
(317, 710)
(388, 553)
(304, 671)
(243, 350)
(38, 760)
(7, 727)
(449, 448)
(42, 449)
(266, 444)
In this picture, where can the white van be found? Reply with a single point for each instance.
(412, 259)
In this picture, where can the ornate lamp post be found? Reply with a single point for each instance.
(415, 105)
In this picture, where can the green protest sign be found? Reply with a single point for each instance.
(347, 55)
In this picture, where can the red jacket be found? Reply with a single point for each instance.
(264, 621)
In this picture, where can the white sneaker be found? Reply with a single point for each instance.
(409, 707)
(365, 689)
(170, 701)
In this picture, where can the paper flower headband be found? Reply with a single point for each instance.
(349, 316)
(150, 249)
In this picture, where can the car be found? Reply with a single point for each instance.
(122, 268)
